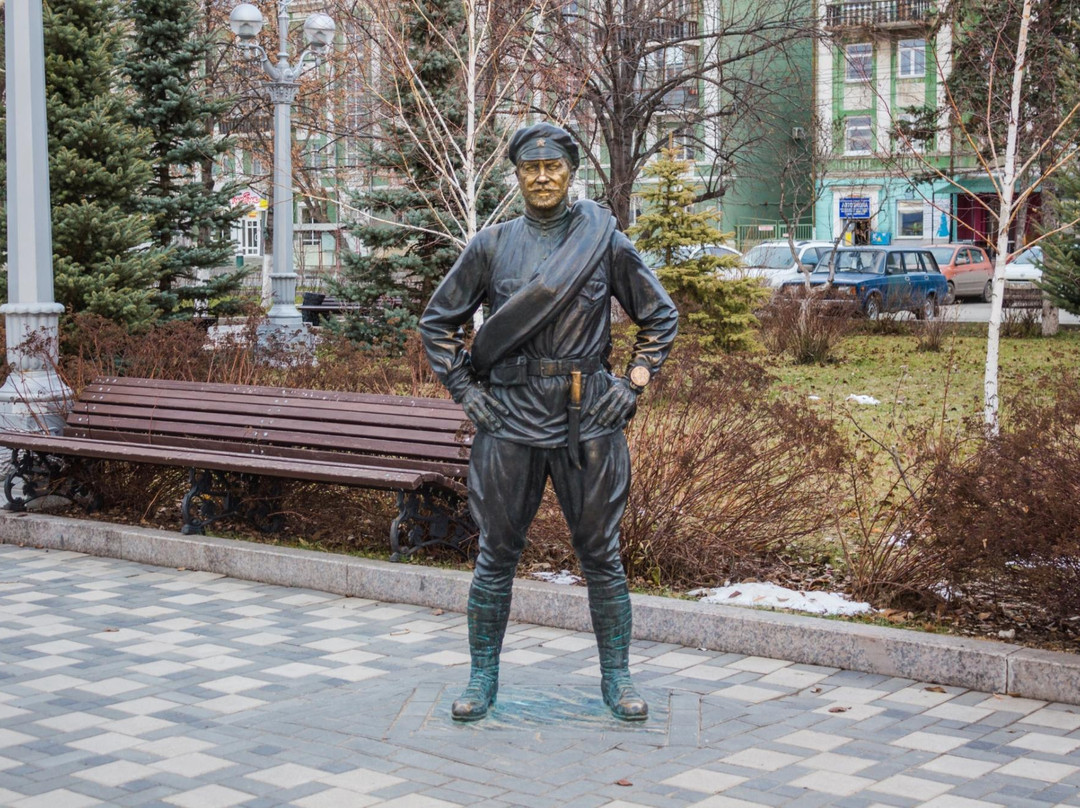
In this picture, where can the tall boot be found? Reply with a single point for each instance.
(609, 605)
(488, 611)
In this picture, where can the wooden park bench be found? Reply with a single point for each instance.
(239, 443)
(1022, 297)
(317, 307)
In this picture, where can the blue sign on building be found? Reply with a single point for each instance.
(855, 207)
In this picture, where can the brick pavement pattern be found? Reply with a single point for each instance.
(129, 685)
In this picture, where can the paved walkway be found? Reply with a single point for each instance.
(123, 685)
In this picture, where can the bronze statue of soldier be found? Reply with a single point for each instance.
(538, 385)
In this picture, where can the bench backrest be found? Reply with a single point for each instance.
(429, 434)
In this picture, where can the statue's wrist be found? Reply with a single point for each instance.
(638, 378)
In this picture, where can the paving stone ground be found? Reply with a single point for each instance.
(128, 685)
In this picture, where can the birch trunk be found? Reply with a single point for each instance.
(1005, 217)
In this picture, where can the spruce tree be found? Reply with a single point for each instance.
(190, 218)
(720, 309)
(97, 169)
(399, 266)
(1061, 251)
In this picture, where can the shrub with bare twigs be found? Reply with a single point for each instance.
(722, 474)
(794, 325)
(1007, 517)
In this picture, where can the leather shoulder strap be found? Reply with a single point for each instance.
(553, 286)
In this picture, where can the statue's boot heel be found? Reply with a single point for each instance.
(488, 611)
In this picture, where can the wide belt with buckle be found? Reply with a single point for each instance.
(517, 369)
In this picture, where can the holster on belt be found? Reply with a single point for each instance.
(573, 418)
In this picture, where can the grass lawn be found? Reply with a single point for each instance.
(918, 386)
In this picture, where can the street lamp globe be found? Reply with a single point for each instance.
(319, 32)
(246, 22)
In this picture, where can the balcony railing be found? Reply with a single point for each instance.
(878, 12)
(628, 36)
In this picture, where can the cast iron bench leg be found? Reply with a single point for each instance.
(216, 495)
(43, 475)
(428, 516)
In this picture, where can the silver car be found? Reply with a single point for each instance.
(774, 262)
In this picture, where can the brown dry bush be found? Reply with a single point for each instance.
(931, 335)
(889, 484)
(1021, 322)
(805, 331)
(723, 476)
(1007, 517)
(94, 346)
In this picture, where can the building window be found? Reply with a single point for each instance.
(859, 62)
(909, 219)
(912, 58)
(310, 238)
(247, 234)
(858, 135)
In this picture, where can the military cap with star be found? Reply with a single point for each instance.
(543, 141)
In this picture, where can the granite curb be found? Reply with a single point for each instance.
(984, 665)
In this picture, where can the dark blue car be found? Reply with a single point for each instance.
(877, 279)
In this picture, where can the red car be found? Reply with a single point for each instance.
(969, 272)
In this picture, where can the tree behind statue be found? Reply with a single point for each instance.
(409, 242)
(104, 263)
(191, 219)
(720, 309)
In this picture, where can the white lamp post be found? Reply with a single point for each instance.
(33, 396)
(246, 22)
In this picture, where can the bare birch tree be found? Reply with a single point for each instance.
(717, 76)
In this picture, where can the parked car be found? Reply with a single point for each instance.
(1026, 269)
(774, 261)
(873, 280)
(721, 250)
(968, 269)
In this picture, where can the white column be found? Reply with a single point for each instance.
(33, 396)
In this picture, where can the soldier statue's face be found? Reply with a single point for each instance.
(544, 183)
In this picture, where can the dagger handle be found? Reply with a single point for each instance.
(575, 387)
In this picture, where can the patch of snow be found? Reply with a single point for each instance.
(814, 398)
(861, 399)
(773, 596)
(562, 577)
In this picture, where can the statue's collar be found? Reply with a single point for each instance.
(550, 224)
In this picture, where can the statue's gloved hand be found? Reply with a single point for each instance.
(483, 409)
(617, 405)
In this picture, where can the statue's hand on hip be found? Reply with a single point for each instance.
(483, 409)
(617, 405)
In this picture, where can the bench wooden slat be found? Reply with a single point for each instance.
(149, 427)
(451, 471)
(283, 392)
(238, 406)
(198, 420)
(344, 474)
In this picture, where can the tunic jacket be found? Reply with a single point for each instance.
(498, 262)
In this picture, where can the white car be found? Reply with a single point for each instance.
(774, 262)
(1026, 268)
